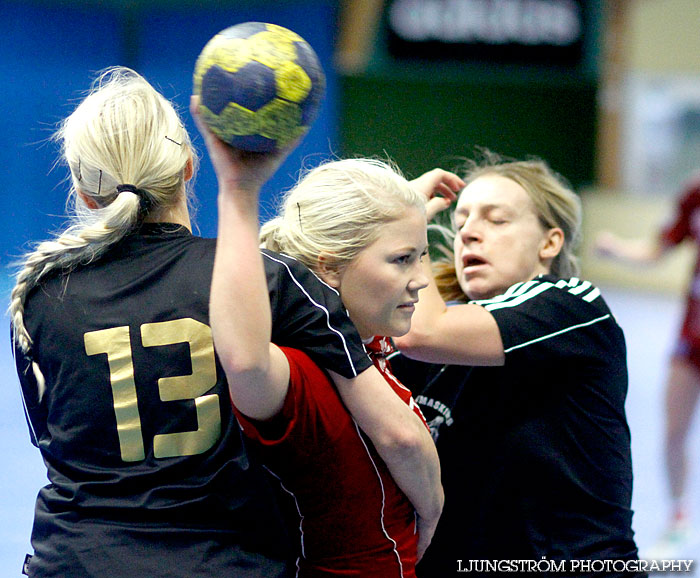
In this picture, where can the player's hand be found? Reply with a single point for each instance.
(238, 170)
(440, 188)
(606, 244)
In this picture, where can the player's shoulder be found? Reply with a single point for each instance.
(284, 269)
(275, 260)
(544, 288)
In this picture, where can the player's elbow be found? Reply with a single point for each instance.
(244, 366)
(414, 343)
(406, 439)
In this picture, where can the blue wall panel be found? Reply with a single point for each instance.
(49, 54)
(46, 55)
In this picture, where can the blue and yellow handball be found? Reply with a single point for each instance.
(260, 86)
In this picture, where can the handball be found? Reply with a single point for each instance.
(260, 86)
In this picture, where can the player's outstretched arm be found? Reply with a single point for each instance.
(258, 372)
(460, 334)
(631, 251)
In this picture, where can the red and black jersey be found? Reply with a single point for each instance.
(148, 473)
(535, 454)
(352, 518)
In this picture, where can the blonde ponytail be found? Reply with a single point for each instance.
(123, 133)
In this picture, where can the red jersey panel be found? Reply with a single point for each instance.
(353, 518)
(379, 349)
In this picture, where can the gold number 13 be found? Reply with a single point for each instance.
(116, 343)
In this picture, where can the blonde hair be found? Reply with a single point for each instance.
(556, 205)
(123, 133)
(337, 210)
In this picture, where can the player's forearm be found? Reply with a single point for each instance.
(239, 308)
(426, 531)
(463, 334)
(400, 438)
(257, 371)
(631, 251)
(415, 467)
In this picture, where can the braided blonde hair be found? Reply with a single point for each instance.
(123, 132)
(337, 209)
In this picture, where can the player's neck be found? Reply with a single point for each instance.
(179, 214)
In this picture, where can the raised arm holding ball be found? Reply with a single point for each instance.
(398, 435)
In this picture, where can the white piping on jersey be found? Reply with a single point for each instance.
(301, 516)
(381, 517)
(314, 274)
(32, 431)
(328, 315)
(381, 485)
(581, 288)
(593, 295)
(40, 380)
(521, 292)
(584, 285)
(512, 291)
(513, 300)
(561, 331)
(35, 438)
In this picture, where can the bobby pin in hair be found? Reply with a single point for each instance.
(299, 212)
(80, 175)
(171, 140)
(99, 184)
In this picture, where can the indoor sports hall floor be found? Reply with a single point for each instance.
(648, 319)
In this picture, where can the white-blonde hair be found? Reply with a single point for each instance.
(337, 209)
(123, 133)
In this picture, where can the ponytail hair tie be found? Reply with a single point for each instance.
(145, 199)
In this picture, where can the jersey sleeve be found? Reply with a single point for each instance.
(311, 414)
(309, 315)
(548, 321)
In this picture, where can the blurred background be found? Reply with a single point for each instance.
(608, 92)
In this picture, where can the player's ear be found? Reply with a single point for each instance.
(552, 244)
(87, 200)
(189, 169)
(328, 270)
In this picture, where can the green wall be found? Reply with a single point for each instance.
(427, 113)
(422, 122)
